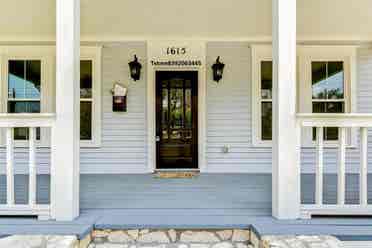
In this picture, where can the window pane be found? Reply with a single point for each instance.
(327, 80)
(318, 78)
(86, 79)
(266, 121)
(16, 78)
(266, 79)
(335, 80)
(330, 133)
(85, 120)
(24, 107)
(33, 78)
(24, 79)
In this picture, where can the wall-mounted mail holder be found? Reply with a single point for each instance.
(119, 98)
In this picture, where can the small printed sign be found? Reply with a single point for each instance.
(176, 54)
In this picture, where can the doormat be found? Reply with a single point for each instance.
(169, 175)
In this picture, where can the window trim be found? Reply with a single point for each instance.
(260, 53)
(305, 54)
(46, 54)
(94, 54)
(309, 54)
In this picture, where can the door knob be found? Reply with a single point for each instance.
(157, 138)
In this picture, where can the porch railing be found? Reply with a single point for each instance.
(346, 123)
(32, 122)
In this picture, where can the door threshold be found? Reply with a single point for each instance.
(176, 174)
(177, 170)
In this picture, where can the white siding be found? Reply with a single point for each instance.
(229, 113)
(124, 135)
(123, 147)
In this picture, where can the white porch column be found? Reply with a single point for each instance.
(286, 133)
(65, 135)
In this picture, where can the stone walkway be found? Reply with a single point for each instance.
(146, 238)
(171, 239)
(301, 242)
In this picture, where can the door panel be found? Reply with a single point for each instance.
(176, 119)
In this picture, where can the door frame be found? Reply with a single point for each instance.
(194, 122)
(151, 108)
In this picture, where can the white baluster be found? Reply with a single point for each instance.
(341, 166)
(10, 166)
(32, 166)
(363, 166)
(319, 166)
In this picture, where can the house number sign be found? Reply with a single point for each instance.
(176, 50)
(176, 54)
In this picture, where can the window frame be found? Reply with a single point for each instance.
(305, 55)
(309, 54)
(94, 54)
(260, 53)
(47, 54)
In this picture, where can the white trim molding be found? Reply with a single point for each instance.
(95, 55)
(259, 53)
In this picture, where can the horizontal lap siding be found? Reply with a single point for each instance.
(124, 135)
(229, 113)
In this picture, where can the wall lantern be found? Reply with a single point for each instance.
(217, 68)
(135, 69)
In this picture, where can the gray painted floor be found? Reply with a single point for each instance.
(206, 201)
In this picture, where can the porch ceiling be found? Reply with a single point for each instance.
(238, 19)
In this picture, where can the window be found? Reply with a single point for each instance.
(327, 82)
(262, 93)
(90, 97)
(24, 91)
(28, 83)
(86, 99)
(325, 85)
(266, 99)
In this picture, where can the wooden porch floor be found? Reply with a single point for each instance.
(210, 201)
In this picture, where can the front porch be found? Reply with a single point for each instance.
(207, 201)
(280, 140)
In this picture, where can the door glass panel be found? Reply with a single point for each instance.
(176, 108)
(188, 102)
(164, 112)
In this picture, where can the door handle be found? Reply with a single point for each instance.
(157, 138)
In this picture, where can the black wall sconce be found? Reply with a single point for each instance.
(135, 69)
(217, 68)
